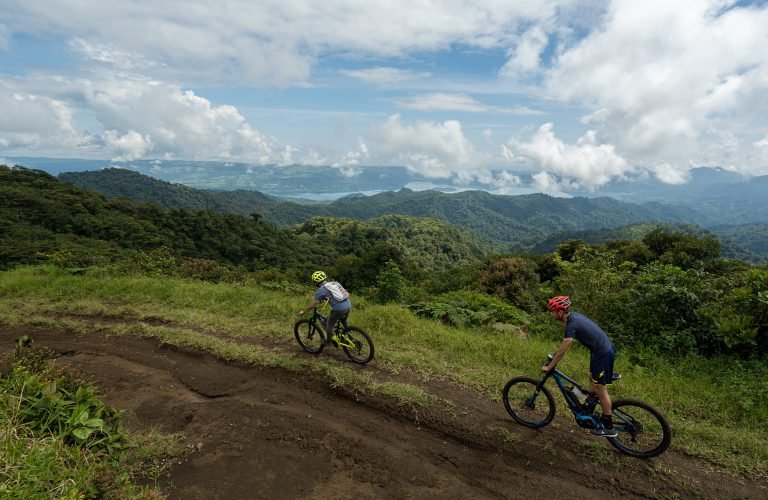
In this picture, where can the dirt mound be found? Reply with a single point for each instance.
(266, 433)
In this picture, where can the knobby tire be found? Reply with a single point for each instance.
(643, 432)
(517, 400)
(365, 350)
(309, 336)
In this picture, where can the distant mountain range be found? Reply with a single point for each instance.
(731, 205)
(503, 219)
(717, 195)
(720, 196)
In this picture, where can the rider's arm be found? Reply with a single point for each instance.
(311, 305)
(564, 346)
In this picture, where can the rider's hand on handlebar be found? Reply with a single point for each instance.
(546, 369)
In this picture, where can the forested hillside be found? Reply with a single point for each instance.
(420, 243)
(504, 219)
(42, 218)
(746, 242)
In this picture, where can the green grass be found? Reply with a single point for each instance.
(44, 451)
(718, 409)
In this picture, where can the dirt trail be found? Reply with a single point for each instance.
(267, 433)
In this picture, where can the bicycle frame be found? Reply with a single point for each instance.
(582, 412)
(341, 325)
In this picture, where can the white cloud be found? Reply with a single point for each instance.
(668, 79)
(761, 154)
(127, 147)
(286, 156)
(525, 56)
(109, 55)
(584, 165)
(385, 75)
(36, 122)
(274, 41)
(444, 101)
(670, 174)
(504, 182)
(434, 149)
(178, 123)
(353, 158)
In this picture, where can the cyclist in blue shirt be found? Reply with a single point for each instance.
(602, 353)
(336, 295)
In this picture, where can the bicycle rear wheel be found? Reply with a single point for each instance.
(642, 430)
(362, 350)
(528, 406)
(309, 336)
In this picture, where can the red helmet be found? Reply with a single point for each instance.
(561, 302)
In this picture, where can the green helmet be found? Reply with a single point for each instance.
(318, 276)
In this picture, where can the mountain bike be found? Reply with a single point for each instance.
(310, 334)
(642, 431)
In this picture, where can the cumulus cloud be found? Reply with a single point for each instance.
(434, 149)
(36, 122)
(353, 158)
(176, 122)
(670, 174)
(129, 146)
(587, 164)
(668, 78)
(503, 182)
(385, 75)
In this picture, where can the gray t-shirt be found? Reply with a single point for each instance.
(323, 293)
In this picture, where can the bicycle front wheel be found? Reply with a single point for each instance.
(642, 430)
(361, 350)
(309, 336)
(528, 405)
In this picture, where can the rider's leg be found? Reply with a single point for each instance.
(603, 397)
(330, 323)
(601, 374)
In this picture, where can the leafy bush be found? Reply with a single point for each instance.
(466, 309)
(663, 317)
(390, 284)
(741, 317)
(513, 279)
(205, 270)
(50, 401)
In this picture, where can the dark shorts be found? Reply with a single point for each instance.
(601, 367)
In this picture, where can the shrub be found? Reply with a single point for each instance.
(390, 283)
(465, 309)
(513, 279)
(741, 316)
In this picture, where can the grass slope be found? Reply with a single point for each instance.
(727, 427)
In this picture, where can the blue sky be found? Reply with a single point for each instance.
(578, 93)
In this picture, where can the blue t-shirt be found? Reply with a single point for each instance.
(323, 293)
(584, 330)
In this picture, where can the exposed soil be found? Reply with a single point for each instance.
(266, 433)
